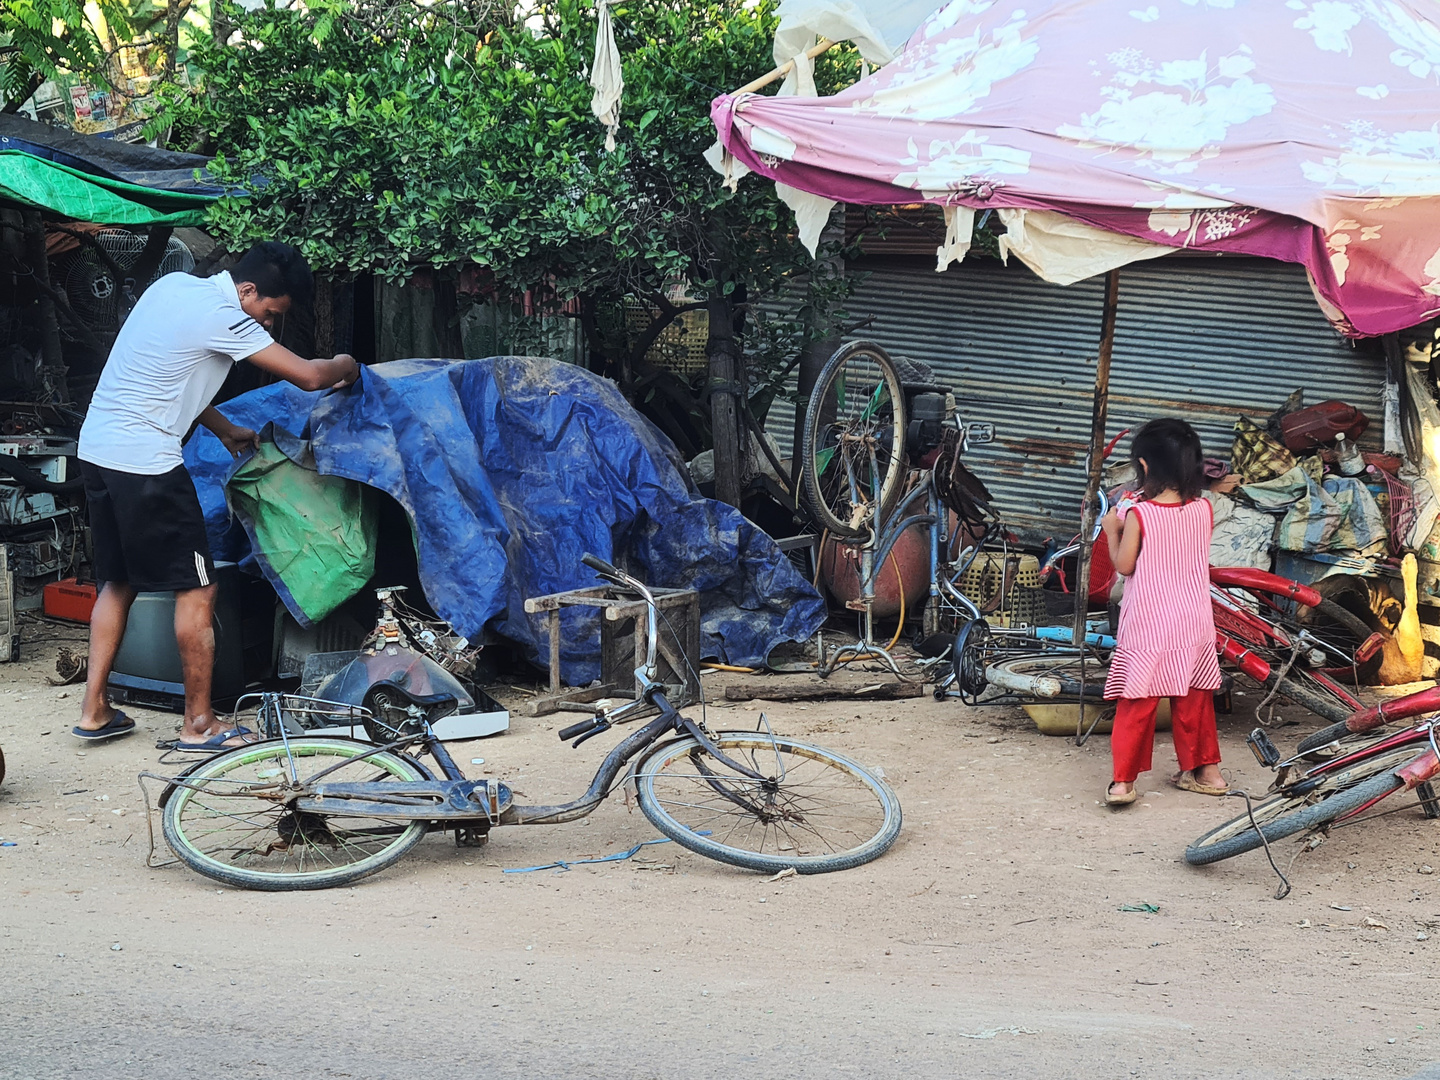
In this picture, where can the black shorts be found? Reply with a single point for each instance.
(149, 531)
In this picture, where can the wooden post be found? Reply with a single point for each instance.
(53, 373)
(816, 353)
(1095, 467)
(725, 427)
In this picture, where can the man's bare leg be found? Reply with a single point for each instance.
(107, 629)
(195, 635)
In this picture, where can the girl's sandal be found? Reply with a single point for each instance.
(1115, 798)
(1186, 781)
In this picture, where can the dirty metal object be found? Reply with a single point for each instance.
(1095, 466)
(70, 668)
(808, 691)
(623, 646)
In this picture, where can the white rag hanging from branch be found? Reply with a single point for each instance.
(606, 75)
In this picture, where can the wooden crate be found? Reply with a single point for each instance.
(624, 643)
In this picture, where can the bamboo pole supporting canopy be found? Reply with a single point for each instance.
(822, 46)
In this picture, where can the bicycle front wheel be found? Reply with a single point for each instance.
(812, 810)
(854, 439)
(1341, 793)
(224, 818)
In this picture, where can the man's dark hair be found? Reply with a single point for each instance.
(276, 269)
(1173, 458)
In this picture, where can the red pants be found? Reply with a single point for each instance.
(1192, 721)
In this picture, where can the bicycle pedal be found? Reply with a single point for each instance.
(1263, 749)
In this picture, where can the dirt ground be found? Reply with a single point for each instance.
(990, 940)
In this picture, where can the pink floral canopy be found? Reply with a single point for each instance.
(1104, 131)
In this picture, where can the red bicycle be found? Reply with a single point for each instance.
(1335, 778)
(1289, 639)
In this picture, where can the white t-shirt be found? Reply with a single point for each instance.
(165, 367)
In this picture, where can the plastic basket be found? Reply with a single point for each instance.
(984, 581)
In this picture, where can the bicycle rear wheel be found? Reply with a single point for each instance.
(814, 810)
(1341, 793)
(224, 819)
(1342, 630)
(853, 445)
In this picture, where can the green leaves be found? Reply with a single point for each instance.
(437, 143)
(39, 38)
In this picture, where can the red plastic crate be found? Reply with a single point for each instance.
(70, 599)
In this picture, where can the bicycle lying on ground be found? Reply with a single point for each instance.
(310, 812)
(1335, 776)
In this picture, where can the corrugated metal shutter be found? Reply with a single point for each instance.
(1202, 339)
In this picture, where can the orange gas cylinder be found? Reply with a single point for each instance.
(907, 563)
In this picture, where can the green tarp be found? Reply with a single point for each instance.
(32, 183)
(316, 533)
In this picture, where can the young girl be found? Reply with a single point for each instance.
(1166, 641)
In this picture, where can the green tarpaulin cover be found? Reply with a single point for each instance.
(33, 183)
(316, 533)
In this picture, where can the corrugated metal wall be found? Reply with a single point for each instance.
(1204, 339)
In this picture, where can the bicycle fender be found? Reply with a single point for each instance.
(1240, 655)
(1042, 686)
(1246, 577)
(1417, 704)
(1425, 767)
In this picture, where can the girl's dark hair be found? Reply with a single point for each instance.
(1173, 458)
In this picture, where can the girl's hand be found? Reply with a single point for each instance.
(1111, 523)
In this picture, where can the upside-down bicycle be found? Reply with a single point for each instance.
(310, 812)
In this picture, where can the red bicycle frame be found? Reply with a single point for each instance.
(1239, 630)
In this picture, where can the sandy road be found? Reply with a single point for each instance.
(988, 942)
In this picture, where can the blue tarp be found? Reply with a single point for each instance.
(510, 469)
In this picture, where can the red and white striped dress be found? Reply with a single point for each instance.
(1166, 643)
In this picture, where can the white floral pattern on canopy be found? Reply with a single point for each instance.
(1101, 132)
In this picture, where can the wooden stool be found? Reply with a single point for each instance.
(624, 645)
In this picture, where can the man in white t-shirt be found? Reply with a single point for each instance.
(168, 362)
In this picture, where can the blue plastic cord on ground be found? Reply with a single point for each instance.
(619, 856)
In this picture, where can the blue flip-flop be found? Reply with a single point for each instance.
(119, 724)
(215, 743)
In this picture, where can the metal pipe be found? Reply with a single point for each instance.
(1095, 464)
(604, 777)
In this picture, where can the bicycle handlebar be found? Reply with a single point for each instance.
(648, 674)
(600, 566)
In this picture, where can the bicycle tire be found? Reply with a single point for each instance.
(1338, 616)
(1308, 694)
(871, 840)
(856, 521)
(1324, 737)
(202, 850)
(1284, 815)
